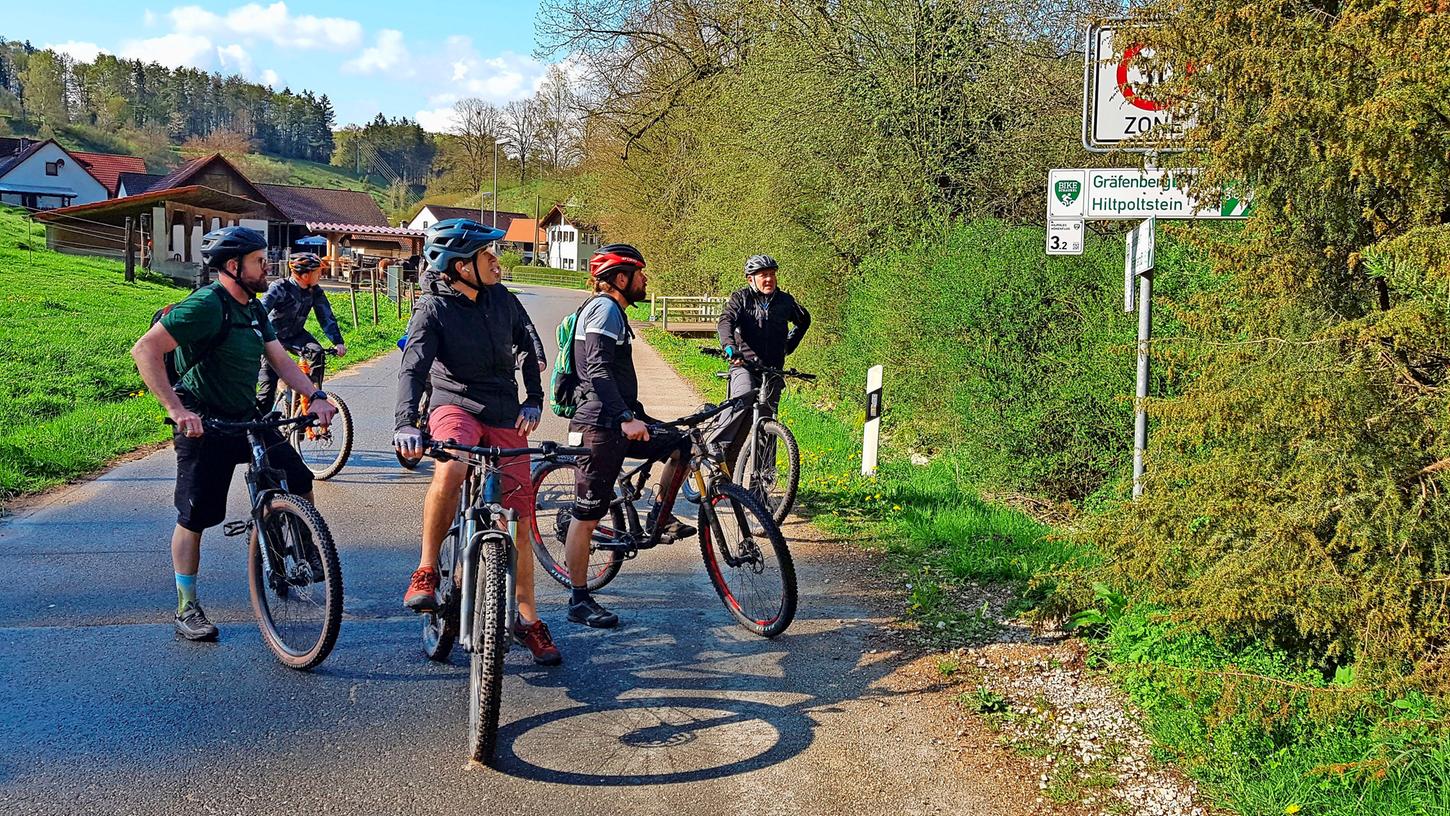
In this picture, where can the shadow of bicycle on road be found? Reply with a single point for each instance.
(648, 716)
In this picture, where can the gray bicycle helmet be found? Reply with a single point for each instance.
(220, 246)
(759, 263)
(456, 239)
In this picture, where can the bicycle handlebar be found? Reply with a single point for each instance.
(252, 425)
(760, 367)
(439, 449)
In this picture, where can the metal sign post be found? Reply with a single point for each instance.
(1138, 262)
(872, 439)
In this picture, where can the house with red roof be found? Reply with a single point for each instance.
(42, 175)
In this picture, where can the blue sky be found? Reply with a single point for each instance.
(405, 58)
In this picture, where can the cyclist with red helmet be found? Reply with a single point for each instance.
(612, 421)
(288, 302)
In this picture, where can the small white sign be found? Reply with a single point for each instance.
(1124, 194)
(1064, 236)
(1066, 193)
(1140, 249)
(1119, 107)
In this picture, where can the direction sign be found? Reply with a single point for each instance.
(1064, 236)
(1118, 103)
(1125, 194)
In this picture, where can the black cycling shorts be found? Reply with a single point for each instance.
(594, 482)
(204, 468)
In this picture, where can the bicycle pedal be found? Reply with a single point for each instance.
(236, 528)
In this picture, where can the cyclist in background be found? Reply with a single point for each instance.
(761, 323)
(287, 303)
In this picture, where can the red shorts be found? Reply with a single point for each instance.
(452, 422)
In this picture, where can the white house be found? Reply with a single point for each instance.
(570, 241)
(43, 176)
(431, 214)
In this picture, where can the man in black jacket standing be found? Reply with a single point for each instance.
(761, 323)
(463, 333)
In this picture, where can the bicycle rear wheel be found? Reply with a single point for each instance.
(769, 466)
(553, 501)
(296, 583)
(747, 560)
(485, 672)
(325, 450)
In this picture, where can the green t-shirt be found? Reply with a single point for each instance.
(225, 381)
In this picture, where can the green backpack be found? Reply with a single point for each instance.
(564, 400)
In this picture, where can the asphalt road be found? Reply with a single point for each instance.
(104, 711)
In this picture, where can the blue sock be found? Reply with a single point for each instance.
(578, 594)
(185, 591)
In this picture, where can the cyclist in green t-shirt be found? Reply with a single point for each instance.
(222, 334)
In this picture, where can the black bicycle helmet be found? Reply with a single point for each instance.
(220, 246)
(759, 263)
(456, 239)
(611, 257)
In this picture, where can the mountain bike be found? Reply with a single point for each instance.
(769, 462)
(323, 450)
(476, 607)
(292, 565)
(745, 555)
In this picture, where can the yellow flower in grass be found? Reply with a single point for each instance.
(1292, 809)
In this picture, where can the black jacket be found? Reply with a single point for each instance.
(763, 328)
(287, 306)
(468, 349)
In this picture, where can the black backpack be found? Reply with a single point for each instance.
(204, 350)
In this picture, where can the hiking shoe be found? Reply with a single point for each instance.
(590, 613)
(537, 638)
(191, 623)
(422, 595)
(672, 530)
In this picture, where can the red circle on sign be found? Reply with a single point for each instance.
(1126, 89)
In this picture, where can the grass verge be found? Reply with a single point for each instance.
(1259, 732)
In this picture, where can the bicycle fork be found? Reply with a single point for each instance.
(472, 560)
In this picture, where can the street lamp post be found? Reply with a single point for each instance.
(496, 143)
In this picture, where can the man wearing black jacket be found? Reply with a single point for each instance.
(761, 323)
(612, 422)
(463, 333)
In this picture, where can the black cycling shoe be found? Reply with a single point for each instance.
(191, 623)
(674, 529)
(590, 613)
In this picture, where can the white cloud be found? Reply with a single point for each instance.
(270, 78)
(274, 23)
(149, 18)
(77, 50)
(438, 120)
(497, 79)
(387, 54)
(234, 59)
(174, 50)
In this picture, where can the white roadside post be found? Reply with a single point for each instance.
(872, 438)
(1138, 262)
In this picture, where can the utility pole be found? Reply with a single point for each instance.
(536, 230)
(494, 223)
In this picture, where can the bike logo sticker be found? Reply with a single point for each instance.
(1067, 191)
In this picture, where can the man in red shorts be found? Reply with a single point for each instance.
(463, 333)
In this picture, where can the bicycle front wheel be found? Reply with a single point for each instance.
(553, 503)
(296, 581)
(747, 560)
(769, 466)
(325, 450)
(485, 674)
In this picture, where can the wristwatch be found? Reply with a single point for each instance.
(625, 416)
(319, 394)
